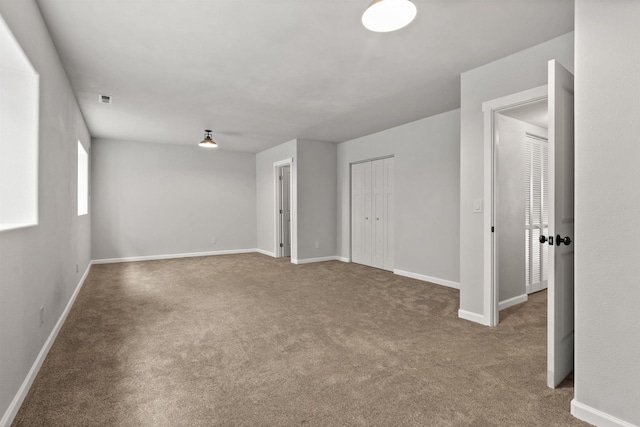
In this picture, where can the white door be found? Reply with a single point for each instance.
(367, 234)
(377, 214)
(372, 210)
(389, 220)
(560, 338)
(357, 212)
(286, 211)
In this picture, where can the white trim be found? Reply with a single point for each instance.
(172, 256)
(343, 259)
(596, 417)
(473, 317)
(311, 260)
(512, 301)
(437, 281)
(13, 408)
(490, 300)
(263, 252)
(283, 162)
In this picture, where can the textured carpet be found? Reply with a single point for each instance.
(248, 340)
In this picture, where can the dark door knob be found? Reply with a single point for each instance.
(543, 239)
(566, 240)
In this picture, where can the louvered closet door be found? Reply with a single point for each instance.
(536, 212)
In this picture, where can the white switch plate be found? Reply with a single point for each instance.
(477, 205)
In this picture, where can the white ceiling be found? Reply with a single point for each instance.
(262, 72)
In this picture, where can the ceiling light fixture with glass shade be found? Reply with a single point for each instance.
(383, 16)
(208, 142)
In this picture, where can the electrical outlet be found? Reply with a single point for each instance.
(213, 241)
(41, 315)
(317, 244)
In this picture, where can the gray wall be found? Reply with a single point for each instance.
(265, 197)
(607, 272)
(427, 186)
(160, 199)
(515, 73)
(38, 264)
(316, 194)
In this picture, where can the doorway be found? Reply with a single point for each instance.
(283, 208)
(521, 206)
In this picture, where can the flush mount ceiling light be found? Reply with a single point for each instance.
(207, 141)
(383, 16)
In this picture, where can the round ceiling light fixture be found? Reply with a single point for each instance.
(383, 16)
(207, 141)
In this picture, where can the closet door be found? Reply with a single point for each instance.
(378, 212)
(389, 221)
(367, 238)
(372, 205)
(357, 212)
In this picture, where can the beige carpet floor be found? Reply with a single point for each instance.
(248, 340)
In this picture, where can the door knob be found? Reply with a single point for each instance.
(566, 240)
(544, 239)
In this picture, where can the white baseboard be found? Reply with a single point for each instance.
(311, 260)
(437, 281)
(512, 301)
(473, 317)
(13, 408)
(595, 416)
(263, 252)
(343, 259)
(171, 256)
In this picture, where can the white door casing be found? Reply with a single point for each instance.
(560, 320)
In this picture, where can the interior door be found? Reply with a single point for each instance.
(286, 210)
(377, 190)
(560, 327)
(357, 212)
(389, 219)
(367, 236)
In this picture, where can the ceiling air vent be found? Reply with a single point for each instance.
(105, 99)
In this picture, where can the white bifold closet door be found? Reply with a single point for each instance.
(372, 205)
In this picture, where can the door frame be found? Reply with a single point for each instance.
(278, 251)
(490, 108)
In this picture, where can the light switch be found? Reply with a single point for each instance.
(477, 205)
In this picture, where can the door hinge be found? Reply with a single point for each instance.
(280, 210)
(282, 245)
(493, 229)
(280, 177)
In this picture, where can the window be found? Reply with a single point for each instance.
(83, 180)
(19, 89)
